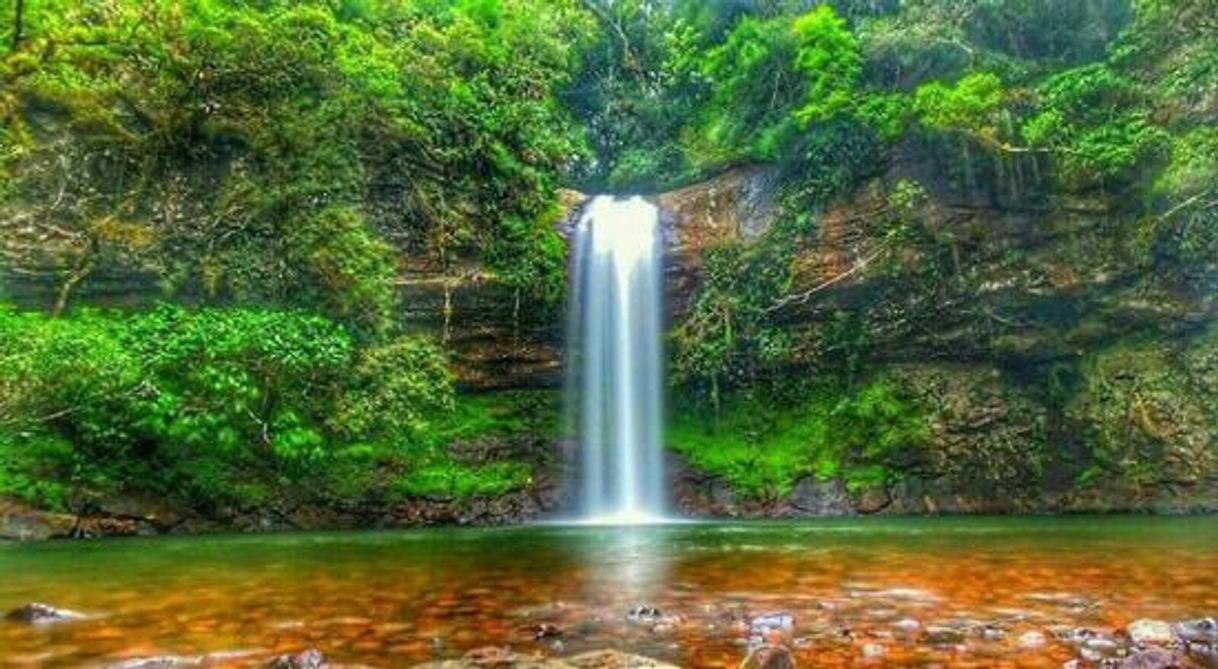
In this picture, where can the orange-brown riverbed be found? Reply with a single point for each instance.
(973, 592)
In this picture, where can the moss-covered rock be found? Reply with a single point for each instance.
(1148, 409)
(989, 436)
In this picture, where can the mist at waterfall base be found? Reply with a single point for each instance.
(615, 363)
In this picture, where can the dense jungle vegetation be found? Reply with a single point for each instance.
(269, 169)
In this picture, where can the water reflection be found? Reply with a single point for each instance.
(626, 564)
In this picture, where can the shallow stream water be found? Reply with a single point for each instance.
(881, 587)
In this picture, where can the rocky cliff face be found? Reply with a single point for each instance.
(1058, 372)
(496, 346)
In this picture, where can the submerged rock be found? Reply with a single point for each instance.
(308, 659)
(1151, 658)
(772, 621)
(769, 656)
(159, 662)
(612, 659)
(873, 650)
(1205, 654)
(503, 657)
(36, 613)
(1075, 636)
(644, 614)
(907, 625)
(542, 631)
(942, 636)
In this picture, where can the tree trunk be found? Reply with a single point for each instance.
(18, 23)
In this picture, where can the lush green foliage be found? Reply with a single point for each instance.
(269, 151)
(279, 164)
(729, 340)
(229, 406)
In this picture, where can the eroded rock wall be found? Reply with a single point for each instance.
(1058, 373)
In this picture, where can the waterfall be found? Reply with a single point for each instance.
(615, 370)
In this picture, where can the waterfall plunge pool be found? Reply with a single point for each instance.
(968, 592)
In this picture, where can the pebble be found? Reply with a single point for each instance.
(165, 662)
(770, 621)
(873, 650)
(544, 631)
(647, 614)
(308, 659)
(992, 633)
(1031, 640)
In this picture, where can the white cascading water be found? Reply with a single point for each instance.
(616, 368)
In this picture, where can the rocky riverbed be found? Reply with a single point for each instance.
(770, 640)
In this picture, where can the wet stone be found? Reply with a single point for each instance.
(773, 621)
(160, 662)
(542, 631)
(991, 633)
(1150, 632)
(907, 625)
(1200, 630)
(873, 650)
(1205, 654)
(644, 614)
(308, 659)
(36, 613)
(1090, 655)
(1075, 636)
(1150, 658)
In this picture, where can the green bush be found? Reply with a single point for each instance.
(216, 406)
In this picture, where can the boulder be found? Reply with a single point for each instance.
(22, 523)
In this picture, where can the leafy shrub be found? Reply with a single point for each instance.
(395, 392)
(216, 406)
(1097, 123)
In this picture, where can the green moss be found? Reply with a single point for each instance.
(762, 447)
(514, 432)
(536, 413)
(452, 479)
